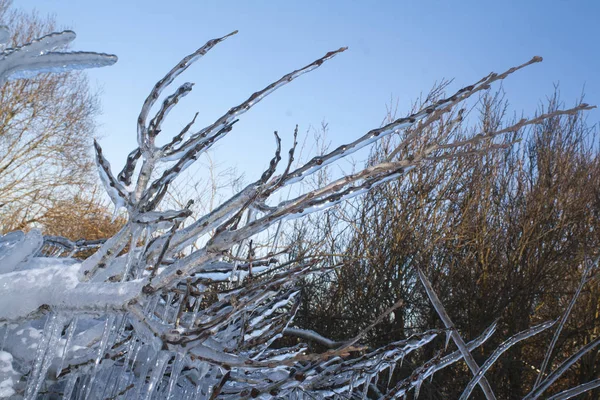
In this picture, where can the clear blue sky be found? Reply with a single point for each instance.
(395, 47)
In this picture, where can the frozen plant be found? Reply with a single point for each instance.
(43, 55)
(149, 316)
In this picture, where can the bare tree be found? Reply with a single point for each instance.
(46, 130)
(151, 322)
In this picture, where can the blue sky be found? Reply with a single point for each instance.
(397, 48)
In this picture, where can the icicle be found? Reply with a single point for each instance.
(56, 330)
(108, 324)
(448, 337)
(136, 352)
(109, 383)
(418, 387)
(145, 368)
(128, 356)
(39, 358)
(195, 312)
(85, 382)
(153, 308)
(352, 383)
(176, 307)
(157, 372)
(70, 385)
(167, 306)
(123, 325)
(4, 338)
(200, 394)
(205, 378)
(151, 305)
(135, 235)
(366, 386)
(203, 369)
(45, 350)
(70, 332)
(391, 372)
(175, 371)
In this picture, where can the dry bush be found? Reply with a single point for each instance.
(501, 235)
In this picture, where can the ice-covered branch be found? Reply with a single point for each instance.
(39, 56)
(167, 106)
(115, 190)
(570, 393)
(435, 364)
(462, 347)
(312, 336)
(501, 349)
(255, 98)
(561, 369)
(143, 140)
(563, 320)
(40, 288)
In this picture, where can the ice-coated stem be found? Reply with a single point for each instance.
(562, 322)
(564, 366)
(462, 347)
(569, 393)
(501, 349)
(38, 56)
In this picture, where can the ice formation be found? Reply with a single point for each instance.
(141, 318)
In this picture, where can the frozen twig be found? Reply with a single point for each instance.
(501, 349)
(462, 347)
(562, 322)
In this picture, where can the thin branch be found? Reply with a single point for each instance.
(462, 347)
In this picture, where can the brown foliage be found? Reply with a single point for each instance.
(80, 218)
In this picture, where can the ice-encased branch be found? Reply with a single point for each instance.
(462, 347)
(507, 344)
(255, 98)
(561, 369)
(563, 320)
(38, 56)
(312, 336)
(168, 104)
(117, 193)
(143, 140)
(569, 393)
(29, 292)
(435, 364)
